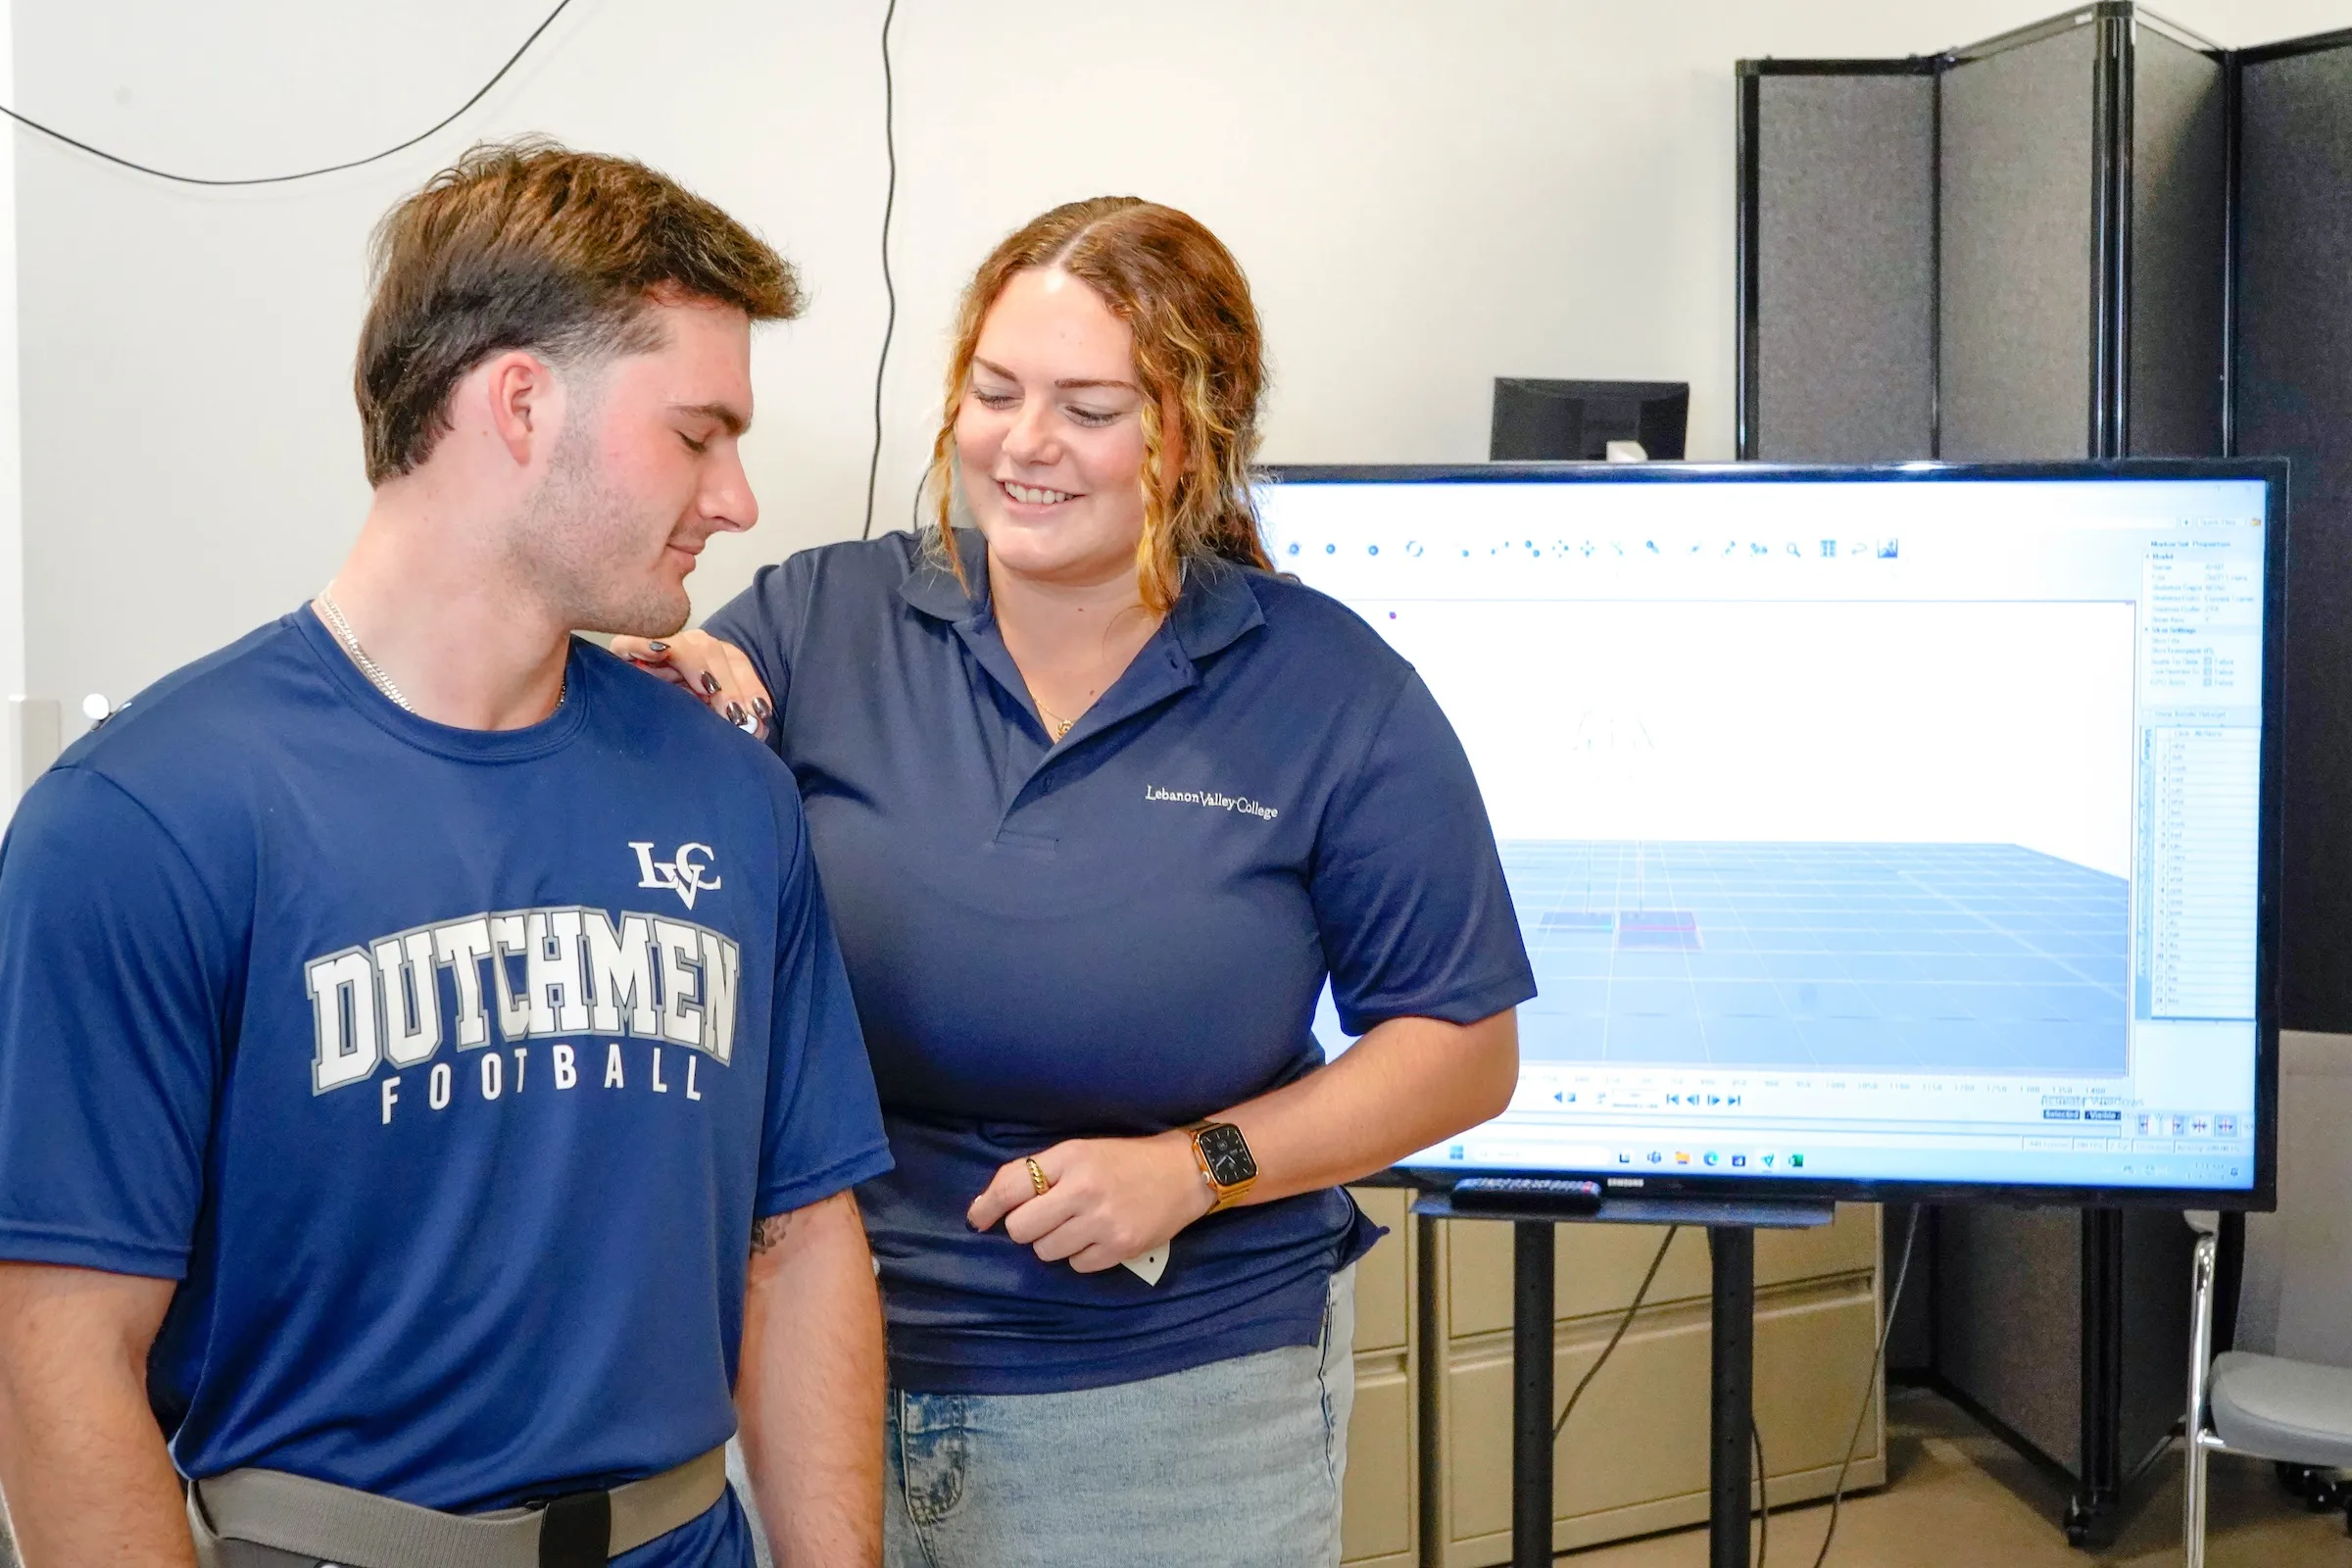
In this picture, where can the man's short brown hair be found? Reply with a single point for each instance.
(529, 245)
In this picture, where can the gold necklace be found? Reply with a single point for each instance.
(1055, 725)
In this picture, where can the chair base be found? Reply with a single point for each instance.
(2322, 1490)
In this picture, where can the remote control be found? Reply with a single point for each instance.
(1535, 1194)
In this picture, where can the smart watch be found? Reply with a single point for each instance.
(1225, 1161)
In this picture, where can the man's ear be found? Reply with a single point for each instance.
(524, 402)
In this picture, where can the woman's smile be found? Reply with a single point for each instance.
(1028, 499)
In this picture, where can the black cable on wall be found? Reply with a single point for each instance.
(890, 195)
(438, 126)
(890, 289)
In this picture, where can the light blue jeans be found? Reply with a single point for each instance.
(1236, 1464)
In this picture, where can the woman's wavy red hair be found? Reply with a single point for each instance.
(1200, 362)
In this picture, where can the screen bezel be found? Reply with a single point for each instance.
(2272, 473)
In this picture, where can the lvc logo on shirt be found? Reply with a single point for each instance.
(681, 874)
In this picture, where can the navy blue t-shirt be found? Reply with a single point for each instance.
(445, 1069)
(1118, 934)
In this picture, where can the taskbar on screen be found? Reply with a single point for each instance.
(2028, 1161)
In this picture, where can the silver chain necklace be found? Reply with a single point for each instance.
(375, 671)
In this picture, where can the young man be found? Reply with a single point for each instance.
(424, 1057)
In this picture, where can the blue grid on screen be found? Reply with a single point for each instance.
(1955, 958)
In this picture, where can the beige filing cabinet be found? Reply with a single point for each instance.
(1635, 1458)
(1381, 1523)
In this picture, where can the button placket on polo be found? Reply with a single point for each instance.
(1022, 749)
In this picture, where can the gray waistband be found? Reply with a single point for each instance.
(327, 1523)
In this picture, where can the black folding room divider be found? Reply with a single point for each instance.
(2098, 236)
(1837, 261)
(2291, 395)
(2011, 251)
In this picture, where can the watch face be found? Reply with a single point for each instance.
(1227, 1154)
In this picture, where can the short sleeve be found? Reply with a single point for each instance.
(116, 967)
(765, 622)
(824, 1131)
(1408, 893)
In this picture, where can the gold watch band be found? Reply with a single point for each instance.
(1221, 1196)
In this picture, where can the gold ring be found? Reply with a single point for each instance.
(1037, 1177)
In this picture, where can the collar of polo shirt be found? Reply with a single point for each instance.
(1213, 611)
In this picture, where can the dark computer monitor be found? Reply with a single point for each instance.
(1575, 421)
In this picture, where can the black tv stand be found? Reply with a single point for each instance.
(1731, 1227)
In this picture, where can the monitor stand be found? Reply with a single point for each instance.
(1730, 1227)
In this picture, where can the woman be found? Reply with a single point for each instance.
(1099, 801)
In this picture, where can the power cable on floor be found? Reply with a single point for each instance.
(890, 288)
(51, 131)
(1876, 1360)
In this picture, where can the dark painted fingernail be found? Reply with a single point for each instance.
(710, 683)
(659, 647)
(735, 714)
(759, 706)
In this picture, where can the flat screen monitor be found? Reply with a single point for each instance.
(1892, 831)
(1576, 421)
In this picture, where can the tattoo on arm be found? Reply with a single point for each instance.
(769, 1230)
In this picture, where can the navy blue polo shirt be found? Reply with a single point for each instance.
(1115, 935)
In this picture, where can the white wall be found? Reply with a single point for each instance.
(1426, 195)
(12, 728)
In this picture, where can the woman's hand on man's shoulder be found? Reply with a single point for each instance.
(721, 673)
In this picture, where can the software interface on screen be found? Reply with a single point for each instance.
(1892, 830)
